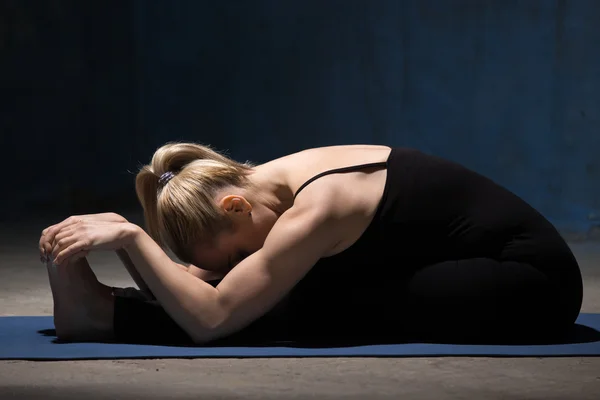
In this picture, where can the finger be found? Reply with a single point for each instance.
(44, 246)
(71, 250)
(76, 229)
(47, 246)
(51, 232)
(41, 250)
(63, 244)
(48, 249)
(72, 220)
(54, 229)
(69, 231)
(66, 232)
(47, 237)
(43, 240)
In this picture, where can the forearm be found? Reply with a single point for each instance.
(192, 303)
(137, 278)
(130, 267)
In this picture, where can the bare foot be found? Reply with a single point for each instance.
(83, 307)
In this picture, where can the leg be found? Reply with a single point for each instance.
(485, 300)
(86, 310)
(137, 320)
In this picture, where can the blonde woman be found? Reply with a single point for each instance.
(345, 242)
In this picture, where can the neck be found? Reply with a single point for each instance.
(271, 193)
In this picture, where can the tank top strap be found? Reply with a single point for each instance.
(351, 168)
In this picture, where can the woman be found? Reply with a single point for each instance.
(353, 242)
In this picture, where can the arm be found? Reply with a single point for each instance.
(296, 242)
(48, 235)
(130, 267)
(137, 278)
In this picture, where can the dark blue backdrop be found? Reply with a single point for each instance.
(508, 88)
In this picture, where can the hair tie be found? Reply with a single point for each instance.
(165, 178)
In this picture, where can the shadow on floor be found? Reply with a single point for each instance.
(579, 334)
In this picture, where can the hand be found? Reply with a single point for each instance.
(77, 240)
(47, 239)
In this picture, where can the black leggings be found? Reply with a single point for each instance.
(477, 300)
(138, 320)
(484, 300)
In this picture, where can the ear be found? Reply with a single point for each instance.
(235, 204)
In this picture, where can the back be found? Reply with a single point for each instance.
(303, 165)
(356, 191)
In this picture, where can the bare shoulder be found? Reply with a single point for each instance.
(340, 205)
(348, 201)
(330, 157)
(297, 168)
(325, 221)
(309, 221)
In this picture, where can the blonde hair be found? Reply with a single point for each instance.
(183, 210)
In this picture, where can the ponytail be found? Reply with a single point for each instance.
(180, 209)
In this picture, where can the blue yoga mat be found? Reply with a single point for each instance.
(30, 338)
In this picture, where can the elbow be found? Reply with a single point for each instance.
(210, 329)
(208, 317)
(205, 335)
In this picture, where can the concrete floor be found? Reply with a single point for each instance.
(24, 290)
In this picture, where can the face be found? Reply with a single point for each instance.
(230, 247)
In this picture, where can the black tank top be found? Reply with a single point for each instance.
(345, 269)
(432, 210)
